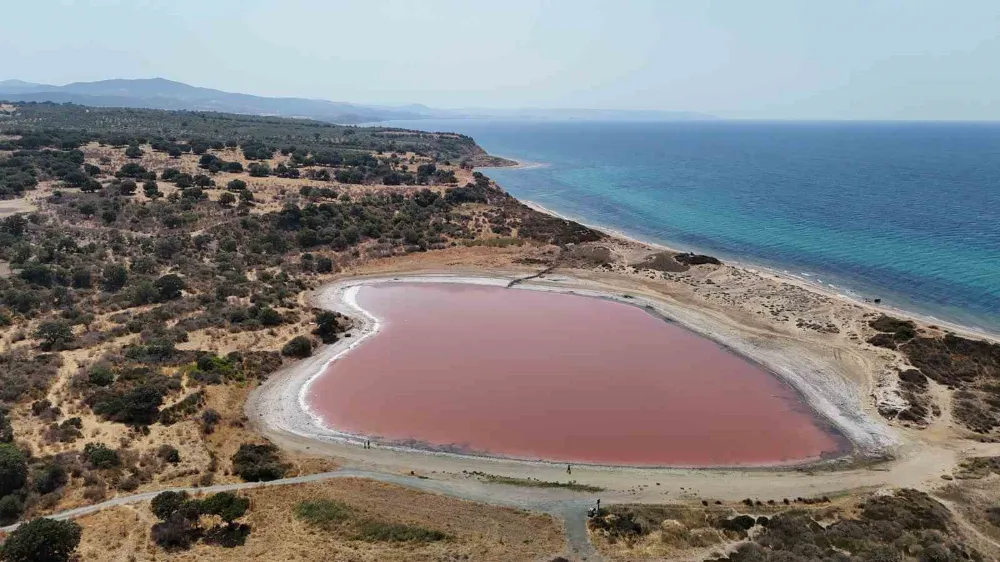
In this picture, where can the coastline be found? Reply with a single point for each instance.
(283, 405)
(785, 277)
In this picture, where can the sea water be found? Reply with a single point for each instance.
(905, 212)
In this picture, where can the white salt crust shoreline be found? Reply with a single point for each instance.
(281, 403)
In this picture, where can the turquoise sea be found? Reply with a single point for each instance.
(907, 212)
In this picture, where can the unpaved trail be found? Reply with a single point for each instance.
(569, 507)
(14, 206)
(986, 544)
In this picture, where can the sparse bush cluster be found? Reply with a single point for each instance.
(256, 463)
(970, 367)
(908, 525)
(904, 525)
(26, 375)
(892, 331)
(181, 520)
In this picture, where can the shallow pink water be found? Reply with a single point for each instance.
(558, 377)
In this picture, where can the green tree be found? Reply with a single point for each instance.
(167, 503)
(201, 180)
(236, 185)
(100, 455)
(114, 277)
(127, 187)
(269, 316)
(183, 181)
(54, 334)
(133, 152)
(82, 278)
(41, 540)
(324, 264)
(227, 199)
(169, 287)
(10, 509)
(259, 170)
(143, 293)
(6, 430)
(13, 469)
(258, 463)
(299, 346)
(327, 326)
(151, 189)
(226, 505)
(50, 478)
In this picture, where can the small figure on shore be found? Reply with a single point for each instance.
(598, 505)
(569, 469)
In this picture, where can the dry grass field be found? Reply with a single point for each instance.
(474, 531)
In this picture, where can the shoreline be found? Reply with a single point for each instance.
(283, 405)
(785, 277)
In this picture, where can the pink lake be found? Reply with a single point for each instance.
(559, 377)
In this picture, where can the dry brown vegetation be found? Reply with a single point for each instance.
(161, 278)
(900, 525)
(475, 531)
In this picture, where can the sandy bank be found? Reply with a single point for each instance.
(279, 405)
(784, 277)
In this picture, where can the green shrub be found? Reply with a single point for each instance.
(100, 375)
(327, 326)
(99, 455)
(41, 540)
(299, 347)
(167, 503)
(256, 463)
(13, 469)
(227, 505)
(322, 512)
(50, 478)
(169, 453)
(114, 277)
(169, 287)
(54, 335)
(10, 509)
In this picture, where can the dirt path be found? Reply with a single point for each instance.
(569, 507)
(986, 544)
(14, 206)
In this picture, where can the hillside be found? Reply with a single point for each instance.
(159, 93)
(158, 271)
(155, 275)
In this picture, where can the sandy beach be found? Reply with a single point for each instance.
(783, 277)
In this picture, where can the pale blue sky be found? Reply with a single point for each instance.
(837, 59)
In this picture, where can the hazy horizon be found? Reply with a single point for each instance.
(775, 59)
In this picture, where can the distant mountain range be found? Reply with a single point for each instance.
(160, 93)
